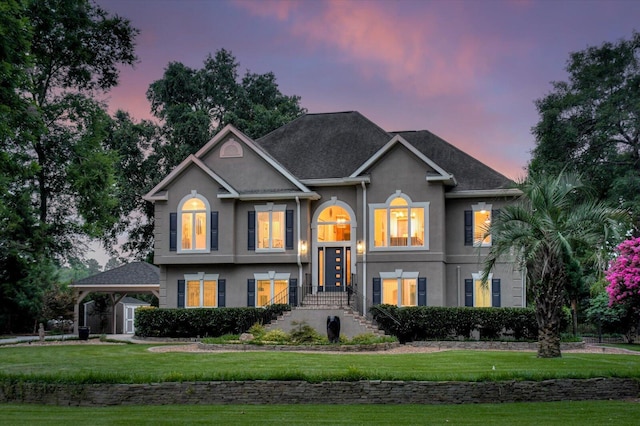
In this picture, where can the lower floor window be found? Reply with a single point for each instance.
(482, 294)
(400, 291)
(400, 288)
(272, 292)
(201, 291)
(270, 288)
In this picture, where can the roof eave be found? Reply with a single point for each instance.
(337, 181)
(271, 196)
(475, 193)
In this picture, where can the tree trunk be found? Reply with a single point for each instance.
(548, 309)
(574, 316)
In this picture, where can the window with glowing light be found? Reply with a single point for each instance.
(334, 224)
(481, 224)
(271, 288)
(270, 224)
(201, 291)
(194, 224)
(480, 293)
(399, 223)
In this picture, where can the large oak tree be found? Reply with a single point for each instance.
(591, 122)
(59, 181)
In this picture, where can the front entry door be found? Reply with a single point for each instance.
(334, 268)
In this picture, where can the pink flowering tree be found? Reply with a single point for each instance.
(624, 279)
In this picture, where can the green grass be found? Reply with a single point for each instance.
(627, 346)
(551, 413)
(136, 364)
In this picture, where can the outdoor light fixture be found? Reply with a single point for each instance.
(360, 247)
(303, 247)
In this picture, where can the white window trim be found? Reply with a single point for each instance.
(477, 208)
(270, 207)
(270, 276)
(387, 205)
(398, 275)
(202, 277)
(231, 149)
(207, 249)
(477, 277)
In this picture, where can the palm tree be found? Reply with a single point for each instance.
(553, 216)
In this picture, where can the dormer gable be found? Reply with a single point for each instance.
(437, 173)
(160, 191)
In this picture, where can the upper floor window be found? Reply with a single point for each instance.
(270, 221)
(399, 223)
(477, 225)
(194, 223)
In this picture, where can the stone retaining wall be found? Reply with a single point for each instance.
(300, 392)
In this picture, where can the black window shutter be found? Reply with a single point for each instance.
(495, 292)
(251, 292)
(251, 236)
(293, 291)
(377, 291)
(173, 231)
(422, 291)
(468, 292)
(289, 229)
(181, 291)
(214, 230)
(468, 228)
(222, 293)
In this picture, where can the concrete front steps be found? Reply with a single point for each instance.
(351, 324)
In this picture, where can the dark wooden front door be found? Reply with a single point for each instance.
(334, 268)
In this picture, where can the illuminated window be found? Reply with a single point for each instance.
(271, 289)
(481, 224)
(399, 223)
(270, 227)
(201, 290)
(193, 223)
(482, 294)
(399, 288)
(334, 224)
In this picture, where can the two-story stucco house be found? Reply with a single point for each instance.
(329, 203)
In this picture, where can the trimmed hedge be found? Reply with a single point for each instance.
(444, 323)
(202, 322)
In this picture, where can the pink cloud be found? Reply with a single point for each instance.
(269, 8)
(412, 51)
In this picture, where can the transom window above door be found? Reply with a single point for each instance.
(399, 223)
(334, 224)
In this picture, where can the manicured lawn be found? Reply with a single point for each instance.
(627, 346)
(551, 413)
(135, 364)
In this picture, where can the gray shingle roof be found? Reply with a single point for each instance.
(320, 146)
(334, 145)
(471, 174)
(132, 273)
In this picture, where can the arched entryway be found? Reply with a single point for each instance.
(334, 243)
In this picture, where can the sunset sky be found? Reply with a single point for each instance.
(467, 70)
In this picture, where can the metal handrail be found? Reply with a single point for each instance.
(280, 298)
(385, 312)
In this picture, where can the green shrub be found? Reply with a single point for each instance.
(442, 323)
(276, 336)
(257, 330)
(304, 333)
(371, 339)
(207, 322)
